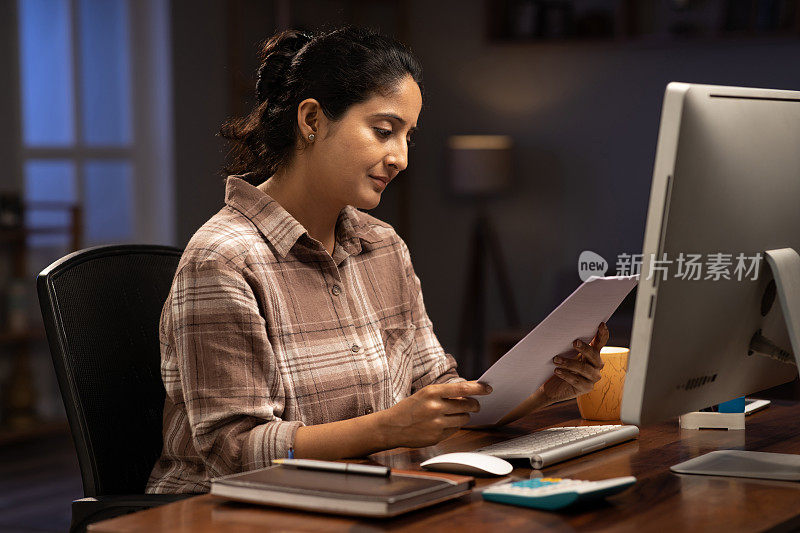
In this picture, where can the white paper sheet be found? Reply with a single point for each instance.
(525, 367)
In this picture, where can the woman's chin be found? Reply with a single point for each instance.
(368, 201)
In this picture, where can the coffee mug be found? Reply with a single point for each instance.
(603, 402)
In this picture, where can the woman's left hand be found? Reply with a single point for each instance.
(574, 376)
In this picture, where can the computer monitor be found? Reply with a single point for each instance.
(725, 189)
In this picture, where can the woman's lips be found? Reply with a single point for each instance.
(383, 181)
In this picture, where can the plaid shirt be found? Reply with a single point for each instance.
(263, 331)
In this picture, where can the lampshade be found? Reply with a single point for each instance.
(479, 164)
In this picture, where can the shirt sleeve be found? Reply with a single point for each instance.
(431, 363)
(229, 380)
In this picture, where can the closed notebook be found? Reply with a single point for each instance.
(342, 493)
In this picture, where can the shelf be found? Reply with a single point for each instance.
(18, 382)
(639, 22)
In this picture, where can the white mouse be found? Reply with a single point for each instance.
(470, 463)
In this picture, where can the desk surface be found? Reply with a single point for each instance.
(660, 500)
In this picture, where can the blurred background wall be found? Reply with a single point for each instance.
(578, 91)
(583, 115)
(582, 112)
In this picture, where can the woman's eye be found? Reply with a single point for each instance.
(387, 133)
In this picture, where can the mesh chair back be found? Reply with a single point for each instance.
(101, 308)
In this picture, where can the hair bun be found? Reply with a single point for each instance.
(276, 57)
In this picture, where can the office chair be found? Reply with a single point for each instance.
(101, 308)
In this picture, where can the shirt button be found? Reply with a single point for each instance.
(368, 410)
(355, 348)
(336, 290)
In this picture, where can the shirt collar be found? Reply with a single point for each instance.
(282, 229)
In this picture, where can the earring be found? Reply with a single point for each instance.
(311, 136)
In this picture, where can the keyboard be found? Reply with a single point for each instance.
(553, 445)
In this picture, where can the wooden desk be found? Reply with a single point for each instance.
(660, 501)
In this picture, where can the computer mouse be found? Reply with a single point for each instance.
(470, 463)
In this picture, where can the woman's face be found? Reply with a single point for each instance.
(356, 157)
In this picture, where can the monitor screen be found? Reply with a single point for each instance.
(725, 189)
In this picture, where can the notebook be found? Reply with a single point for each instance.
(340, 493)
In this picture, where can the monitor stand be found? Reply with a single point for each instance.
(785, 266)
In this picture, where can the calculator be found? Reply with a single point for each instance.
(552, 493)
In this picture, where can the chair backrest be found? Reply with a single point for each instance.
(101, 308)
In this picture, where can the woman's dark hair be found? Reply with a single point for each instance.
(338, 68)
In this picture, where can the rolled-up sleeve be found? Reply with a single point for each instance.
(431, 363)
(229, 379)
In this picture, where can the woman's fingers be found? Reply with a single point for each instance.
(591, 351)
(578, 366)
(460, 405)
(456, 421)
(450, 431)
(583, 372)
(579, 383)
(601, 337)
(590, 354)
(458, 389)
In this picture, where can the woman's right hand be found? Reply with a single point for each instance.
(431, 414)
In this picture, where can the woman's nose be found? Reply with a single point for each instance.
(398, 158)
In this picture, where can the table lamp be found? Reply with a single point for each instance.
(479, 168)
(480, 165)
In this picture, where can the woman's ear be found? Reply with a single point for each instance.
(309, 114)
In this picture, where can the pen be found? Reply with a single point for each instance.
(331, 466)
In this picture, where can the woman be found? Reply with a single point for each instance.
(294, 319)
